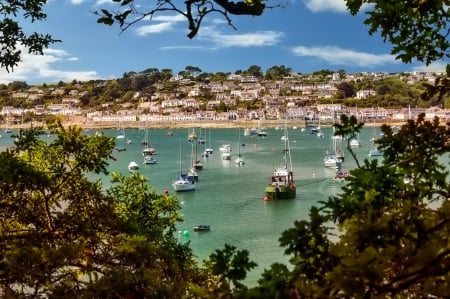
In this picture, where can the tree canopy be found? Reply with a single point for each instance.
(13, 37)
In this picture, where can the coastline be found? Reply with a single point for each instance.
(86, 124)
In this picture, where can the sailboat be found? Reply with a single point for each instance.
(334, 157)
(209, 150)
(183, 182)
(281, 184)
(193, 171)
(239, 160)
(122, 131)
(355, 141)
(374, 151)
(192, 137)
(148, 150)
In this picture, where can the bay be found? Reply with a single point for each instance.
(229, 197)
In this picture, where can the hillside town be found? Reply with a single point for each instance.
(292, 97)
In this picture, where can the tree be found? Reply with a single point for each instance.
(254, 70)
(13, 37)
(391, 224)
(194, 11)
(63, 236)
(346, 90)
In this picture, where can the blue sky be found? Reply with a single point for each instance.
(306, 35)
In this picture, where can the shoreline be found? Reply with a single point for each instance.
(223, 124)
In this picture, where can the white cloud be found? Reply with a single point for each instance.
(172, 19)
(101, 2)
(153, 29)
(255, 39)
(39, 68)
(326, 5)
(344, 57)
(437, 66)
(77, 2)
(167, 24)
(181, 48)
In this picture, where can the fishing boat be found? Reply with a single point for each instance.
(183, 182)
(281, 184)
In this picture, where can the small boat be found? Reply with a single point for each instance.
(226, 155)
(355, 142)
(149, 151)
(240, 160)
(183, 182)
(150, 160)
(331, 160)
(374, 151)
(281, 184)
(133, 166)
(193, 174)
(225, 148)
(250, 132)
(202, 228)
(341, 175)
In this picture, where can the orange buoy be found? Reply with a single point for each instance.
(266, 198)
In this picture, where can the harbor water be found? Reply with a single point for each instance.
(229, 197)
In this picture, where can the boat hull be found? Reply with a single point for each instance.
(180, 186)
(273, 192)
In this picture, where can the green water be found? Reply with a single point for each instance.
(229, 197)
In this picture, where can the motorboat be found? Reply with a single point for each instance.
(225, 148)
(202, 228)
(133, 166)
(150, 160)
(226, 155)
(149, 151)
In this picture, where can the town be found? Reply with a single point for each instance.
(155, 97)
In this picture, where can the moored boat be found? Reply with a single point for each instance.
(281, 184)
(133, 166)
(202, 228)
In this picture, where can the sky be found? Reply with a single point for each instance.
(305, 36)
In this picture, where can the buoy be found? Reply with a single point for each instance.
(266, 198)
(186, 233)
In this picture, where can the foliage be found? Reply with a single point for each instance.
(392, 222)
(194, 11)
(63, 236)
(417, 30)
(13, 37)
